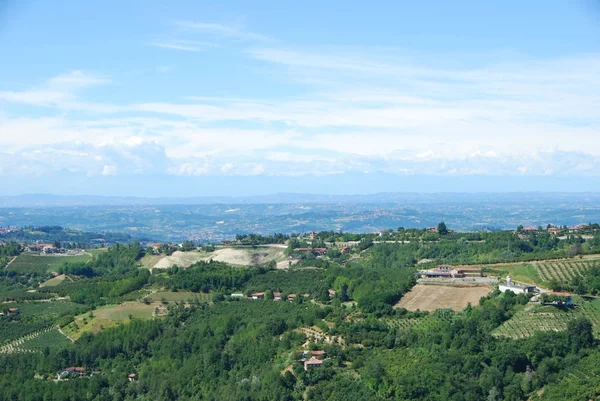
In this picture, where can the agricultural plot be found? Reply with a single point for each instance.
(54, 281)
(542, 272)
(49, 337)
(564, 271)
(35, 316)
(426, 322)
(42, 264)
(548, 318)
(433, 297)
(108, 316)
(184, 296)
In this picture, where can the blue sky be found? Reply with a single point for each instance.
(462, 94)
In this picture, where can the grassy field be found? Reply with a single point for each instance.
(432, 297)
(535, 317)
(108, 316)
(542, 272)
(42, 264)
(54, 281)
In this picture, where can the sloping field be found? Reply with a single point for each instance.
(43, 264)
(248, 256)
(432, 297)
(541, 272)
(234, 256)
(54, 281)
(185, 296)
(549, 318)
(108, 316)
(181, 259)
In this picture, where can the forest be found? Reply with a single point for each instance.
(239, 349)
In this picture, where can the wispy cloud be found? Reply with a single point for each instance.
(184, 45)
(359, 110)
(219, 30)
(62, 92)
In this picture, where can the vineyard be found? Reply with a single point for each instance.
(564, 271)
(34, 317)
(37, 341)
(426, 322)
(548, 318)
(42, 264)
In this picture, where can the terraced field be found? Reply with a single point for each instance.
(542, 272)
(548, 318)
(564, 271)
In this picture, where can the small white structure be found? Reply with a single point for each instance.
(517, 289)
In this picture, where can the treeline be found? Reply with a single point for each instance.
(207, 276)
(8, 251)
(257, 239)
(67, 237)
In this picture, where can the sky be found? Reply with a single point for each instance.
(190, 98)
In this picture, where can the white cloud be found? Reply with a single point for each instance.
(109, 170)
(220, 30)
(61, 92)
(184, 45)
(359, 111)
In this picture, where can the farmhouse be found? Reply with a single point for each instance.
(557, 298)
(312, 363)
(577, 228)
(517, 289)
(554, 230)
(320, 251)
(529, 229)
(132, 377)
(257, 295)
(72, 371)
(467, 272)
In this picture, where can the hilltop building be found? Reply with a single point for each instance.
(517, 289)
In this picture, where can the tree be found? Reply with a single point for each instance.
(442, 229)
(580, 334)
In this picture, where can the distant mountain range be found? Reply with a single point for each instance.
(553, 198)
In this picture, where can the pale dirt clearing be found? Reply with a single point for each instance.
(234, 256)
(432, 297)
(181, 259)
(248, 256)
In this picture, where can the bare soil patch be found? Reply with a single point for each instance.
(432, 297)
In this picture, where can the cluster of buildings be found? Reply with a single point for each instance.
(517, 289)
(556, 230)
(447, 271)
(313, 359)
(7, 230)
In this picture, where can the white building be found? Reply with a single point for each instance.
(517, 289)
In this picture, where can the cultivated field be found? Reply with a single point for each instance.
(548, 318)
(108, 316)
(43, 264)
(432, 297)
(178, 296)
(54, 281)
(542, 272)
(234, 256)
